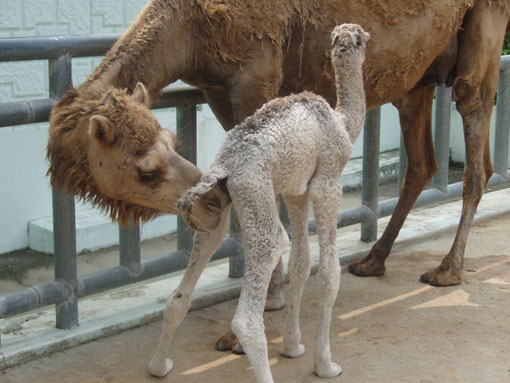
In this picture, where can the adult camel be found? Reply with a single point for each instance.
(243, 53)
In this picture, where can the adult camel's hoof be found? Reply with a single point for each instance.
(328, 371)
(367, 267)
(442, 276)
(156, 368)
(228, 342)
(237, 348)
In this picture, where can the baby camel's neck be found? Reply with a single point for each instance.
(350, 93)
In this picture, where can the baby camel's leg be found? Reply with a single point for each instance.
(299, 271)
(264, 240)
(326, 194)
(275, 299)
(178, 304)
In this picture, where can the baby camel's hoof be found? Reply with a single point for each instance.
(161, 369)
(275, 302)
(441, 276)
(292, 352)
(329, 371)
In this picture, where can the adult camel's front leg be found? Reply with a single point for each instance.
(178, 304)
(474, 90)
(258, 83)
(415, 112)
(220, 104)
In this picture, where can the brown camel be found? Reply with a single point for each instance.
(243, 53)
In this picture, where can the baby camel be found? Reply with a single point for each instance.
(297, 147)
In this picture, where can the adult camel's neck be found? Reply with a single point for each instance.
(350, 93)
(155, 50)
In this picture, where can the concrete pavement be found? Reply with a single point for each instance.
(386, 329)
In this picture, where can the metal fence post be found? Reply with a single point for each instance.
(236, 262)
(502, 124)
(369, 191)
(129, 241)
(187, 133)
(64, 225)
(442, 137)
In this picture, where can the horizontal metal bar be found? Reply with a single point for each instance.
(25, 112)
(176, 96)
(505, 62)
(50, 293)
(387, 207)
(348, 217)
(32, 298)
(32, 111)
(118, 276)
(41, 48)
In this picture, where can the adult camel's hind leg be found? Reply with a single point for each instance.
(258, 83)
(474, 90)
(415, 112)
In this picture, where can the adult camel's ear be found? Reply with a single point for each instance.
(141, 95)
(334, 38)
(101, 130)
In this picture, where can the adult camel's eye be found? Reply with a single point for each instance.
(140, 152)
(146, 177)
(151, 177)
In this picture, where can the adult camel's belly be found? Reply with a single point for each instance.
(406, 38)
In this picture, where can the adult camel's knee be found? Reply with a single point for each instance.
(466, 93)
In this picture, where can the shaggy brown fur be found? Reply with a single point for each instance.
(69, 163)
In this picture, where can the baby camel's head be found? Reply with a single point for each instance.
(348, 40)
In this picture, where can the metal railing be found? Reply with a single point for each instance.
(68, 287)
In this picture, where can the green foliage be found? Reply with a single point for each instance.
(506, 45)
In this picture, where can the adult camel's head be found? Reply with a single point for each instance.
(110, 150)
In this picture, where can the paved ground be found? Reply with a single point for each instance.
(387, 329)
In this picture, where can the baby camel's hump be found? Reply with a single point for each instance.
(307, 143)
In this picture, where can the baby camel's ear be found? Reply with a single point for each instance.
(101, 130)
(141, 95)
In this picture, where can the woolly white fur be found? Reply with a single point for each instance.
(297, 147)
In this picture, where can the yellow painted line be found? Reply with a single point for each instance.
(384, 303)
(491, 266)
(409, 294)
(213, 364)
(348, 332)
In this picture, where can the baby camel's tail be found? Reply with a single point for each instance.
(207, 182)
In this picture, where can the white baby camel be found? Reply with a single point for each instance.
(297, 147)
